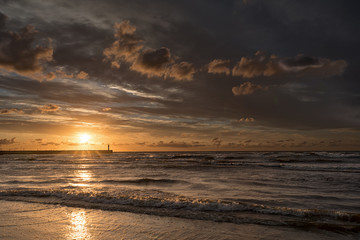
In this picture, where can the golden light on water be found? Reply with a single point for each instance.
(82, 177)
(79, 222)
(78, 228)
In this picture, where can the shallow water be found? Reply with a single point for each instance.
(302, 191)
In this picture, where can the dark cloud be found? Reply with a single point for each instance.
(21, 52)
(246, 88)
(12, 110)
(260, 65)
(2, 20)
(175, 144)
(219, 66)
(150, 62)
(313, 66)
(302, 61)
(6, 141)
(182, 71)
(41, 142)
(284, 143)
(153, 62)
(50, 143)
(263, 64)
(216, 142)
(71, 143)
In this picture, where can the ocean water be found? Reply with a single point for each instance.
(306, 192)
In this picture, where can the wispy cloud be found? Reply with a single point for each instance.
(135, 92)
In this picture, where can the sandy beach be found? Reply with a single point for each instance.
(21, 220)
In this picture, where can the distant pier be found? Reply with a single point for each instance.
(59, 152)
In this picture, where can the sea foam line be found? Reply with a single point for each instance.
(165, 201)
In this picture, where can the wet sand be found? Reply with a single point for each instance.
(21, 220)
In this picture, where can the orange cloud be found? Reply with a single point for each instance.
(246, 88)
(182, 71)
(49, 108)
(219, 66)
(126, 46)
(106, 109)
(260, 65)
(62, 74)
(246, 119)
(82, 75)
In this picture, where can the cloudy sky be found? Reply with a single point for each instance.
(180, 75)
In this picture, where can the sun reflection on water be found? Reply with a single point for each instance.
(78, 228)
(82, 177)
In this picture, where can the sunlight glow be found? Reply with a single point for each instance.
(84, 138)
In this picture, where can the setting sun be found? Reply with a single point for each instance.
(84, 138)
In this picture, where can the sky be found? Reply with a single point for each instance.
(180, 75)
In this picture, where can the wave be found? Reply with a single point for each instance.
(302, 167)
(190, 157)
(140, 181)
(287, 159)
(144, 181)
(34, 182)
(165, 204)
(338, 154)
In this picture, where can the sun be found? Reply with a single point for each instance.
(84, 137)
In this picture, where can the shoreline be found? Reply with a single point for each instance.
(25, 220)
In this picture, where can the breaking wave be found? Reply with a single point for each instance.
(166, 204)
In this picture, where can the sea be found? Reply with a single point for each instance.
(180, 195)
